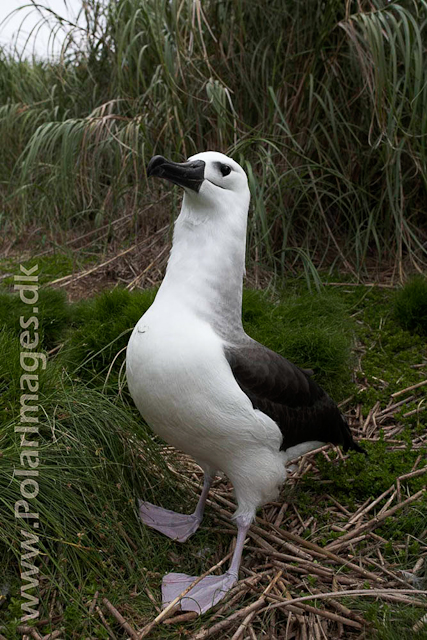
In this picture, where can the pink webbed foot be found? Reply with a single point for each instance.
(204, 595)
(177, 526)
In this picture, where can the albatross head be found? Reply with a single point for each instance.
(210, 180)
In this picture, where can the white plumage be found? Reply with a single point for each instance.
(183, 386)
(177, 372)
(187, 365)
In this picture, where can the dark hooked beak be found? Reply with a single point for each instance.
(185, 174)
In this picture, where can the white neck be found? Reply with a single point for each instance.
(207, 261)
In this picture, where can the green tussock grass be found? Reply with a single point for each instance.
(101, 330)
(10, 374)
(410, 305)
(313, 330)
(54, 315)
(50, 266)
(95, 453)
(391, 621)
(96, 459)
(327, 116)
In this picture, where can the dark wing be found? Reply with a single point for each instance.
(300, 407)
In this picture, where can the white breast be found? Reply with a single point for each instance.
(183, 386)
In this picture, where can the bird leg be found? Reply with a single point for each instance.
(177, 526)
(211, 589)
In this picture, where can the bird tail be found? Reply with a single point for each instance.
(348, 440)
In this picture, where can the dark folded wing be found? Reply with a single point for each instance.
(301, 408)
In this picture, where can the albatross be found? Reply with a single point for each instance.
(207, 388)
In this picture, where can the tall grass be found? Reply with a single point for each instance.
(96, 457)
(325, 107)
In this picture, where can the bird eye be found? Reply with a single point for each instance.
(225, 169)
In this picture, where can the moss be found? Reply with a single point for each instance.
(410, 305)
(54, 315)
(362, 477)
(50, 267)
(412, 522)
(387, 352)
(101, 329)
(312, 330)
